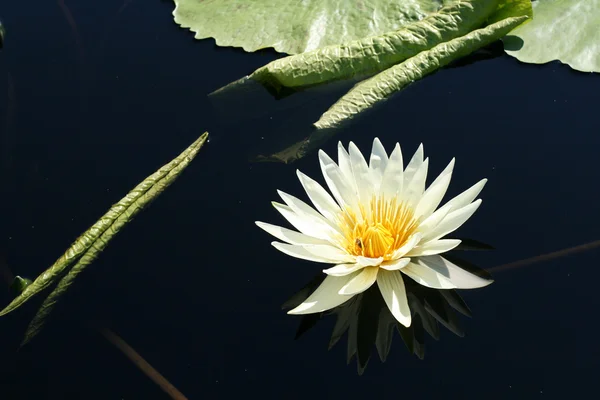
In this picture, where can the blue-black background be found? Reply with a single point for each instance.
(95, 96)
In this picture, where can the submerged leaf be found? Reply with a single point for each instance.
(296, 26)
(564, 30)
(373, 90)
(375, 53)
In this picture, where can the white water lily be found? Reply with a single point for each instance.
(383, 225)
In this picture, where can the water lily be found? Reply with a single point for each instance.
(381, 225)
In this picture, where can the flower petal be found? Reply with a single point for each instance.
(391, 286)
(303, 225)
(345, 166)
(413, 189)
(319, 197)
(452, 221)
(434, 247)
(434, 219)
(395, 265)
(288, 235)
(339, 186)
(362, 176)
(459, 277)
(343, 269)
(315, 252)
(393, 177)
(325, 297)
(361, 282)
(467, 196)
(435, 193)
(413, 165)
(368, 261)
(427, 277)
(378, 163)
(407, 246)
(306, 212)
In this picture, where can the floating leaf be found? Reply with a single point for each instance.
(564, 30)
(373, 90)
(511, 8)
(94, 240)
(296, 26)
(117, 217)
(369, 55)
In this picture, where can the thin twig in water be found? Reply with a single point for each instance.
(142, 364)
(548, 256)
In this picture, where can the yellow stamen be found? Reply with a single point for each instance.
(378, 229)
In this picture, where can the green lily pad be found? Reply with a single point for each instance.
(297, 26)
(564, 30)
(373, 90)
(372, 54)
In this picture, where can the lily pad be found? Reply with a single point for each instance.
(297, 26)
(564, 30)
(371, 91)
(372, 54)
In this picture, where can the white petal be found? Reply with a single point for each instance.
(316, 252)
(368, 261)
(434, 247)
(396, 264)
(413, 165)
(461, 278)
(434, 219)
(427, 277)
(467, 196)
(305, 211)
(378, 163)
(361, 282)
(362, 176)
(325, 297)
(393, 176)
(413, 190)
(343, 269)
(435, 193)
(345, 166)
(289, 236)
(408, 245)
(339, 186)
(319, 197)
(303, 225)
(393, 292)
(452, 221)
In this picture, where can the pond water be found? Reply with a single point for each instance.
(95, 96)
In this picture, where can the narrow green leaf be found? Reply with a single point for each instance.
(376, 53)
(143, 194)
(124, 209)
(511, 8)
(373, 90)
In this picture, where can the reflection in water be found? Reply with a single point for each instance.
(368, 321)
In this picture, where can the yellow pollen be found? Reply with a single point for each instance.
(378, 229)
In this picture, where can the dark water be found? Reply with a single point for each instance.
(95, 96)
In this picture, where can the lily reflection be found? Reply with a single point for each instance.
(367, 321)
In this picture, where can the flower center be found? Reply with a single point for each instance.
(378, 229)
